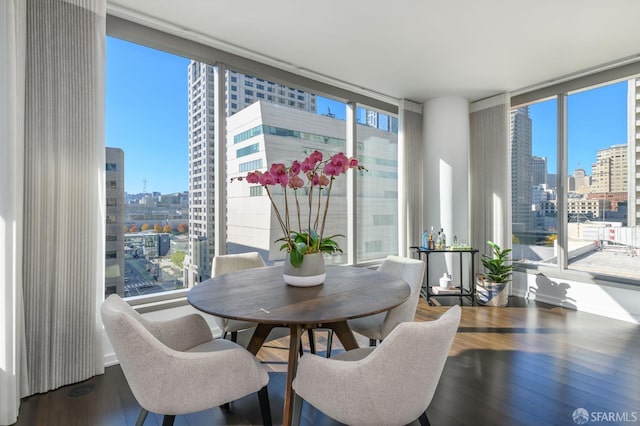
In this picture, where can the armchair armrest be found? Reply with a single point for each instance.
(215, 373)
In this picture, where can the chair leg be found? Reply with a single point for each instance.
(141, 417)
(234, 336)
(424, 420)
(265, 409)
(297, 410)
(329, 342)
(312, 341)
(168, 420)
(373, 342)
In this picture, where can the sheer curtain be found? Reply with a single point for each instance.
(410, 177)
(489, 172)
(13, 382)
(53, 218)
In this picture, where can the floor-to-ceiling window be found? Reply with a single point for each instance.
(161, 124)
(579, 213)
(147, 175)
(534, 181)
(377, 189)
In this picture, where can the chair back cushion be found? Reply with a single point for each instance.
(412, 272)
(407, 365)
(236, 262)
(228, 263)
(172, 381)
(391, 384)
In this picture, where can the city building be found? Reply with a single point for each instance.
(539, 194)
(609, 172)
(521, 169)
(265, 133)
(549, 208)
(582, 208)
(115, 221)
(633, 142)
(580, 182)
(539, 170)
(610, 178)
(241, 91)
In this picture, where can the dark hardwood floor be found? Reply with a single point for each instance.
(529, 364)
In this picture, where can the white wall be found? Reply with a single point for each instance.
(612, 300)
(446, 173)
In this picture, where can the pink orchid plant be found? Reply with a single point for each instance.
(319, 174)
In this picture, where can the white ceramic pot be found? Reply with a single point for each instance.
(310, 273)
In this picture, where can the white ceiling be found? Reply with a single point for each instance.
(410, 49)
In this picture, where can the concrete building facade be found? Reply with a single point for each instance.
(610, 171)
(539, 170)
(266, 133)
(241, 91)
(115, 222)
(521, 169)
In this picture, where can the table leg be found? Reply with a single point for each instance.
(344, 333)
(259, 336)
(292, 366)
(341, 329)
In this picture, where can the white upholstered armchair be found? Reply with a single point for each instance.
(377, 327)
(175, 367)
(225, 264)
(391, 384)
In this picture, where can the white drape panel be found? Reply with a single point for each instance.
(410, 177)
(64, 190)
(13, 379)
(490, 173)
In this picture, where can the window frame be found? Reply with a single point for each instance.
(140, 34)
(561, 90)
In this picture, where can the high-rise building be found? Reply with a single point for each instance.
(633, 143)
(580, 182)
(115, 221)
(241, 91)
(609, 172)
(521, 169)
(539, 170)
(283, 135)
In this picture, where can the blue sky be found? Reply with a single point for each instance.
(146, 116)
(597, 119)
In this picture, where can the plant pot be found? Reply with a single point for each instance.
(490, 293)
(310, 273)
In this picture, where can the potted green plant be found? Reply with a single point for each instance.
(492, 287)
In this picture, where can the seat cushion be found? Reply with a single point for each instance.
(370, 326)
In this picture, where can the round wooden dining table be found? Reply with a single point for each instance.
(260, 295)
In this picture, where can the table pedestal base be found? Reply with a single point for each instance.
(341, 330)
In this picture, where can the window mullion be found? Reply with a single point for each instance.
(220, 162)
(563, 173)
(350, 148)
